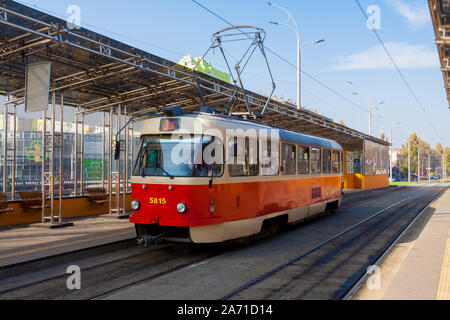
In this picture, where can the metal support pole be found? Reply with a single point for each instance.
(13, 169)
(390, 161)
(61, 159)
(118, 171)
(299, 74)
(44, 153)
(125, 175)
(429, 167)
(82, 157)
(49, 177)
(110, 162)
(103, 149)
(418, 162)
(409, 161)
(76, 157)
(5, 147)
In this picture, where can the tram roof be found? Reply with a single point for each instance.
(440, 13)
(96, 73)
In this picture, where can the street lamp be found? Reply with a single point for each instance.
(296, 30)
(369, 103)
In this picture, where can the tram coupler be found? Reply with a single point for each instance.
(146, 240)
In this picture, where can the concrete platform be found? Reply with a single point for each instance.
(26, 243)
(418, 268)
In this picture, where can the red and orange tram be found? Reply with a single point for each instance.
(206, 178)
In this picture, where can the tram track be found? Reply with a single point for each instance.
(290, 279)
(112, 275)
(104, 276)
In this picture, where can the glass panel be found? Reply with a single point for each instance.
(336, 162)
(270, 158)
(316, 161)
(243, 166)
(166, 156)
(326, 161)
(303, 160)
(376, 158)
(288, 156)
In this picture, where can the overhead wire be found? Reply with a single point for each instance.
(403, 78)
(288, 62)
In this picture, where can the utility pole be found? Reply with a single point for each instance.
(418, 162)
(390, 162)
(429, 167)
(409, 161)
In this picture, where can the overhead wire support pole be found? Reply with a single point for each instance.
(418, 162)
(61, 159)
(14, 151)
(5, 147)
(110, 159)
(409, 161)
(296, 30)
(43, 163)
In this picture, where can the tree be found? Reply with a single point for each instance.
(439, 148)
(415, 143)
(447, 159)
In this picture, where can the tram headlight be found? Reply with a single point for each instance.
(181, 207)
(135, 205)
(212, 205)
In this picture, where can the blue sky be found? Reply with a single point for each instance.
(174, 28)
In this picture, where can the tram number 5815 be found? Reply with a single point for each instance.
(158, 201)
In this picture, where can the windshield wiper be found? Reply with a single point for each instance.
(164, 171)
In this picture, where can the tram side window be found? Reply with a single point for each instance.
(336, 162)
(244, 163)
(270, 160)
(303, 160)
(316, 161)
(288, 156)
(326, 161)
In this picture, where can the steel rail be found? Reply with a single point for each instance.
(315, 248)
(61, 255)
(356, 286)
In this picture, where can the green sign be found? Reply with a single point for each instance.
(204, 67)
(34, 152)
(93, 169)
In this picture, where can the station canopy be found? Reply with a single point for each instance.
(96, 73)
(440, 13)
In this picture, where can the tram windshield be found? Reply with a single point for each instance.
(166, 156)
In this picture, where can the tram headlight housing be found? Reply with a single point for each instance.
(181, 207)
(212, 205)
(135, 205)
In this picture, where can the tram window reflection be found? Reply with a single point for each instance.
(288, 157)
(326, 161)
(316, 161)
(303, 160)
(336, 162)
(166, 156)
(243, 163)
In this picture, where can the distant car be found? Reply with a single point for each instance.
(395, 180)
(437, 177)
